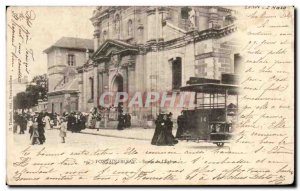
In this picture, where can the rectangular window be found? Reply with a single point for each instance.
(176, 73)
(71, 60)
(185, 12)
(237, 62)
(92, 88)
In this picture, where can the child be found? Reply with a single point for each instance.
(63, 130)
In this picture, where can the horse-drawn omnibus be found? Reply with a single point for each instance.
(216, 110)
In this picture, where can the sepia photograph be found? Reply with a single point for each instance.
(150, 95)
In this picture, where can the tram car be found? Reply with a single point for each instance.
(216, 110)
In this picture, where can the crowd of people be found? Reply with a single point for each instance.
(99, 117)
(34, 122)
(75, 121)
(37, 122)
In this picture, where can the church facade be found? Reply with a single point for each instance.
(141, 49)
(155, 49)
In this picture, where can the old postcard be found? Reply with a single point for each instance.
(150, 95)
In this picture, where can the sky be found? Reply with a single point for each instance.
(50, 25)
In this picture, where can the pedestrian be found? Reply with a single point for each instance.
(162, 138)
(181, 122)
(98, 120)
(127, 120)
(30, 123)
(92, 118)
(30, 127)
(82, 121)
(57, 121)
(34, 133)
(105, 119)
(71, 122)
(23, 123)
(158, 128)
(63, 130)
(76, 127)
(169, 128)
(121, 121)
(41, 126)
(47, 121)
(16, 122)
(165, 136)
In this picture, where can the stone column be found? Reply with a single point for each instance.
(105, 79)
(84, 91)
(97, 28)
(162, 14)
(95, 78)
(213, 17)
(100, 82)
(151, 24)
(131, 74)
(81, 93)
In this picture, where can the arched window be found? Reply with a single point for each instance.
(140, 34)
(129, 27)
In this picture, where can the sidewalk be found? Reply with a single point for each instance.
(137, 133)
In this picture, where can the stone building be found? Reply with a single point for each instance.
(156, 49)
(63, 57)
(141, 49)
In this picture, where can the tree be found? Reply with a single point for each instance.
(41, 83)
(37, 89)
(21, 101)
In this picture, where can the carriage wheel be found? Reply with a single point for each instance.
(220, 144)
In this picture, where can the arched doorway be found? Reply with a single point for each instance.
(118, 84)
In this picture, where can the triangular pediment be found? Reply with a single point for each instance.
(110, 47)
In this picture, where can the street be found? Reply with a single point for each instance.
(106, 138)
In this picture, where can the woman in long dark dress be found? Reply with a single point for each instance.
(158, 128)
(163, 138)
(121, 121)
(41, 130)
(169, 126)
(166, 137)
(180, 125)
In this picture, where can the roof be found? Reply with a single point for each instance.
(121, 47)
(72, 84)
(72, 43)
(212, 88)
(70, 87)
(117, 43)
